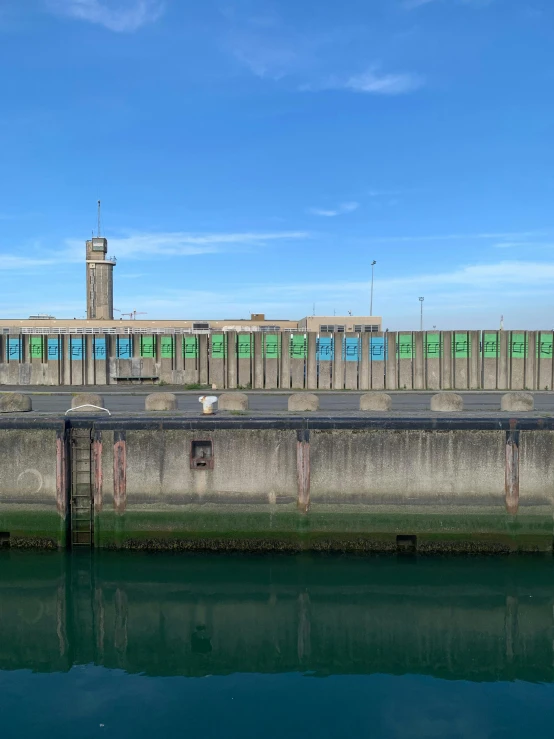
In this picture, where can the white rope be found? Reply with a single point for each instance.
(88, 405)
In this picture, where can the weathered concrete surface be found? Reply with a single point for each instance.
(32, 497)
(447, 402)
(161, 402)
(375, 402)
(88, 399)
(15, 403)
(517, 402)
(233, 402)
(303, 402)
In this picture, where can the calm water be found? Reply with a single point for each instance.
(178, 646)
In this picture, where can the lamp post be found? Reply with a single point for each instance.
(371, 301)
(421, 317)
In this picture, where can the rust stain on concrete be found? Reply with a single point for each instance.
(512, 473)
(97, 473)
(61, 475)
(120, 472)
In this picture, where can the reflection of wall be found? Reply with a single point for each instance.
(474, 620)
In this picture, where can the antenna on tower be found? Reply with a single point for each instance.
(99, 214)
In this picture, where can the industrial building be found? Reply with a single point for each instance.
(101, 320)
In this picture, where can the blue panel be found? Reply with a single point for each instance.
(76, 348)
(13, 350)
(351, 349)
(54, 349)
(124, 347)
(325, 349)
(99, 348)
(377, 349)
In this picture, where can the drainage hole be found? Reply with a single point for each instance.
(406, 543)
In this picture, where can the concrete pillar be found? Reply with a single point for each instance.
(447, 374)
(284, 374)
(325, 360)
(405, 360)
(545, 342)
(203, 361)
(503, 360)
(460, 360)
(351, 360)
(531, 362)
(232, 359)
(391, 360)
(432, 347)
(258, 361)
(377, 363)
(272, 355)
(517, 353)
(364, 366)
(419, 361)
(311, 361)
(338, 362)
(490, 343)
(245, 347)
(475, 360)
(298, 360)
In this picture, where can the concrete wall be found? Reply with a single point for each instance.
(460, 360)
(284, 483)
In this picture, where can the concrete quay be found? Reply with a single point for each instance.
(347, 482)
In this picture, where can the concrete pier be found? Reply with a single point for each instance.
(283, 482)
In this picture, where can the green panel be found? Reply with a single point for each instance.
(168, 347)
(244, 346)
(405, 346)
(298, 347)
(460, 347)
(218, 346)
(272, 346)
(491, 348)
(147, 347)
(190, 347)
(544, 346)
(518, 346)
(433, 346)
(36, 347)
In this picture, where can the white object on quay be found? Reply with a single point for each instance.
(207, 404)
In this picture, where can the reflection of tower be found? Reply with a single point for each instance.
(99, 278)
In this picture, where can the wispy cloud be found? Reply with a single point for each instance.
(116, 15)
(458, 237)
(372, 82)
(338, 211)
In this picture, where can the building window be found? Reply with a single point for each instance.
(200, 326)
(359, 329)
(332, 329)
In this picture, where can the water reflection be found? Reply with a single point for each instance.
(474, 619)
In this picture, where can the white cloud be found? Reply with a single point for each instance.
(382, 84)
(338, 211)
(121, 16)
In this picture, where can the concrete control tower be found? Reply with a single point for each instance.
(99, 280)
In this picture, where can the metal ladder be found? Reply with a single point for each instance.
(82, 534)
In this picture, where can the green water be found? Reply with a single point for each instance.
(137, 645)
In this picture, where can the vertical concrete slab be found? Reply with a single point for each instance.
(490, 350)
(378, 351)
(245, 350)
(391, 360)
(475, 374)
(299, 352)
(258, 361)
(545, 364)
(460, 356)
(88, 363)
(405, 360)
(447, 370)
(232, 369)
(325, 351)
(179, 354)
(191, 351)
(217, 348)
(338, 362)
(503, 360)
(66, 359)
(284, 372)
(517, 352)
(352, 347)
(419, 361)
(432, 349)
(365, 363)
(531, 361)
(36, 359)
(53, 354)
(203, 359)
(311, 361)
(272, 355)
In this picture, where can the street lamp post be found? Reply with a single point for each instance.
(371, 301)
(421, 317)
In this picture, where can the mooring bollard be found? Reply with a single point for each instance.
(208, 404)
(88, 403)
(233, 402)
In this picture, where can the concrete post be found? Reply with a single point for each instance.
(544, 349)
(377, 353)
(311, 361)
(446, 361)
(232, 360)
(338, 362)
(391, 360)
(419, 361)
(475, 360)
(325, 361)
(284, 374)
(272, 354)
(258, 361)
(531, 362)
(364, 365)
(203, 361)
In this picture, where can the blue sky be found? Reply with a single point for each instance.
(257, 155)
